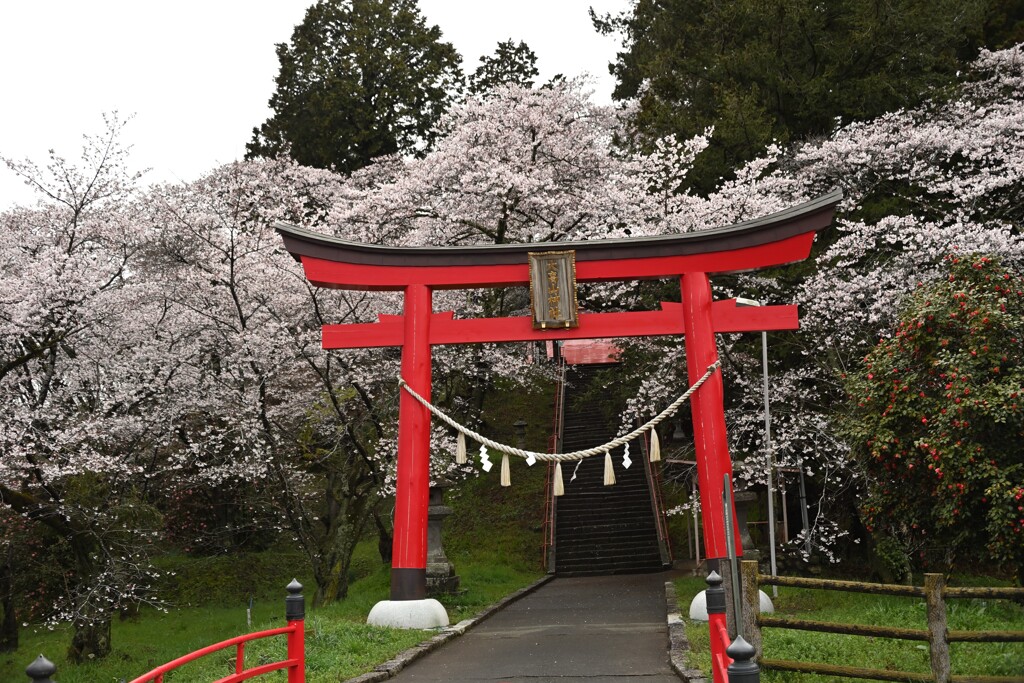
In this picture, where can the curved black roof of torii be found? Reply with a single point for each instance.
(811, 216)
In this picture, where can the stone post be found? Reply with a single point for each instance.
(295, 616)
(441, 577)
(41, 670)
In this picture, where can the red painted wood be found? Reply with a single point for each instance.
(294, 631)
(727, 317)
(324, 273)
(789, 250)
(717, 625)
(297, 651)
(444, 329)
(709, 436)
(363, 335)
(707, 408)
(413, 477)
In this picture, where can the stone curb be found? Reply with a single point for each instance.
(678, 645)
(384, 671)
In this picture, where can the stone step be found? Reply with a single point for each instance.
(597, 535)
(568, 520)
(584, 488)
(615, 568)
(601, 529)
(605, 559)
(607, 551)
(617, 525)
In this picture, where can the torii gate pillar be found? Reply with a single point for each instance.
(706, 406)
(408, 573)
(409, 606)
(710, 440)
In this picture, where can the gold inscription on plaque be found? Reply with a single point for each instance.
(554, 296)
(553, 289)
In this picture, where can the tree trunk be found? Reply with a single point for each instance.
(90, 641)
(9, 622)
(331, 573)
(91, 638)
(385, 544)
(331, 566)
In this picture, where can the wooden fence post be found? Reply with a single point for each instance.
(934, 584)
(751, 606)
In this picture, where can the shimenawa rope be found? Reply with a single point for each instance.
(575, 455)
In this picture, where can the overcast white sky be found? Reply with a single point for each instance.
(197, 74)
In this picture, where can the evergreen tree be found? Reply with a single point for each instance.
(1004, 24)
(782, 70)
(510, 64)
(359, 79)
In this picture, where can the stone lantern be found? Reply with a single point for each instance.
(441, 577)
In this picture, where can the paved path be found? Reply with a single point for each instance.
(596, 629)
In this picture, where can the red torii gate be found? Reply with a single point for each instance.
(780, 238)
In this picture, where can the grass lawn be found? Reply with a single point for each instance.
(493, 539)
(494, 542)
(991, 659)
(339, 644)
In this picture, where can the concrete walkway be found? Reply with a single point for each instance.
(596, 629)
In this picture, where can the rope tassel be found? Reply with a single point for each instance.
(506, 474)
(460, 450)
(655, 446)
(559, 486)
(609, 471)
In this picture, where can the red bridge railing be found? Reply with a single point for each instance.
(295, 608)
(295, 614)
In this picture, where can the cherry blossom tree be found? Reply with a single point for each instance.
(79, 378)
(919, 184)
(516, 165)
(262, 402)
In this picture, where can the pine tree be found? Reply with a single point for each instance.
(360, 79)
(783, 70)
(510, 64)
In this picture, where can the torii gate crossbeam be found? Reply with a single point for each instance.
(780, 238)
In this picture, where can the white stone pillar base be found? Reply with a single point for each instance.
(427, 613)
(699, 605)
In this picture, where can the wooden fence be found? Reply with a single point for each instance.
(937, 635)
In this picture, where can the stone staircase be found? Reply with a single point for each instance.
(601, 529)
